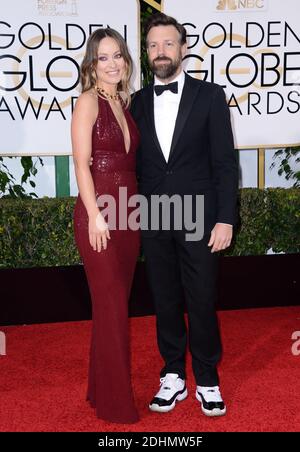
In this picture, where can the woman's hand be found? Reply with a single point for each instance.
(98, 232)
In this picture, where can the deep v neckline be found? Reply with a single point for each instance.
(119, 125)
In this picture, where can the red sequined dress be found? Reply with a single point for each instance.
(110, 272)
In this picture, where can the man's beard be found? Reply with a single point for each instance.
(167, 70)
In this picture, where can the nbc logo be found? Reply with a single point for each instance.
(239, 5)
(226, 4)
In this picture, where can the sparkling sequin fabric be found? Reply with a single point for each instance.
(110, 272)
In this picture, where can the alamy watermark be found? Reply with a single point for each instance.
(296, 345)
(156, 212)
(2, 343)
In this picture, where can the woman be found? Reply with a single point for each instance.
(103, 129)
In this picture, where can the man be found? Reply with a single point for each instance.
(186, 149)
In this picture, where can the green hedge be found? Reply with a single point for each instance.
(39, 232)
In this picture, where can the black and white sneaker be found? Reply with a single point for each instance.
(172, 389)
(211, 400)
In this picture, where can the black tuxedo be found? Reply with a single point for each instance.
(202, 160)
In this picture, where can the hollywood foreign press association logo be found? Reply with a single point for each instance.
(238, 5)
(57, 7)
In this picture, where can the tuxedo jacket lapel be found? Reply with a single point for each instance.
(188, 97)
(148, 100)
(189, 94)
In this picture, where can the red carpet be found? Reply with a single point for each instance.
(43, 377)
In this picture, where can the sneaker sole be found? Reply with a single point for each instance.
(165, 409)
(211, 413)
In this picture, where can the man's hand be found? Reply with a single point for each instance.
(91, 161)
(220, 237)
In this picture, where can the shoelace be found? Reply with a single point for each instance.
(164, 388)
(213, 394)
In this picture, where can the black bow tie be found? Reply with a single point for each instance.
(159, 89)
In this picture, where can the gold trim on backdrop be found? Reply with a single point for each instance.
(241, 70)
(261, 168)
(138, 63)
(154, 4)
(21, 52)
(64, 74)
(267, 146)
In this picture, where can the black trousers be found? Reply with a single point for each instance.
(178, 269)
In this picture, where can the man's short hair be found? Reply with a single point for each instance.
(162, 19)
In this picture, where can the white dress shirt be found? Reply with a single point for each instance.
(165, 113)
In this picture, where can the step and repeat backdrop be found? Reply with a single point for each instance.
(42, 45)
(250, 47)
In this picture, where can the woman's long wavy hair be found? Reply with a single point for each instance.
(88, 75)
